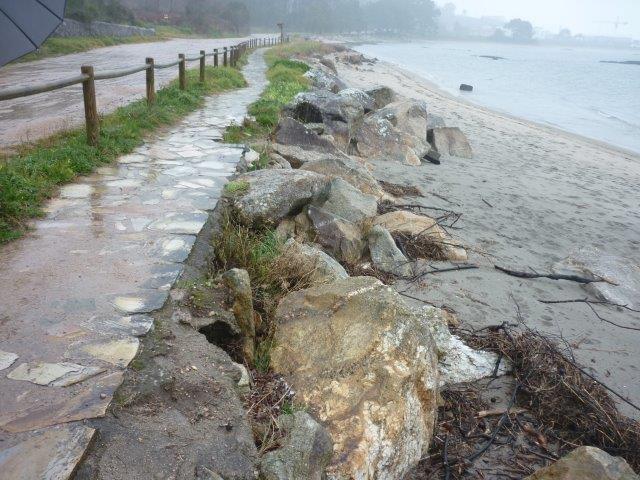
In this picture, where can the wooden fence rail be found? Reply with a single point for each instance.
(88, 77)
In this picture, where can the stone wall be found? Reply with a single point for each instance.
(73, 28)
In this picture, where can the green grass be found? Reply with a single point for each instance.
(56, 46)
(32, 176)
(286, 80)
(236, 187)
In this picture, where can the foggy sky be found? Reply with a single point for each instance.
(580, 16)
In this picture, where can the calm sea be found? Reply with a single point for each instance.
(565, 87)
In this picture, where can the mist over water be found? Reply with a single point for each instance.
(563, 87)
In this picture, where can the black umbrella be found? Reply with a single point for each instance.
(26, 24)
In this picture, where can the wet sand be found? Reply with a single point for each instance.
(530, 197)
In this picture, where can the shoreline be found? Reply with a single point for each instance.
(551, 194)
(437, 89)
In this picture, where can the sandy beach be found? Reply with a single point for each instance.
(530, 197)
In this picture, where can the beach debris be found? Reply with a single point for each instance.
(449, 141)
(466, 88)
(491, 57)
(306, 451)
(623, 275)
(391, 403)
(587, 463)
(385, 254)
(399, 190)
(591, 304)
(553, 276)
(560, 393)
(421, 236)
(272, 195)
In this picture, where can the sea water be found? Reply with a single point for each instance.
(565, 87)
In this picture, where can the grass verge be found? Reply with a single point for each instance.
(30, 177)
(56, 46)
(286, 80)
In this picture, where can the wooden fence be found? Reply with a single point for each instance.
(88, 77)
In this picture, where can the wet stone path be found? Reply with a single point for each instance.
(77, 292)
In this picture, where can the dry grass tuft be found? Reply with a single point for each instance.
(420, 247)
(398, 190)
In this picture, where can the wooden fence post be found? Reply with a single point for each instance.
(224, 56)
(202, 65)
(151, 82)
(215, 57)
(90, 106)
(182, 72)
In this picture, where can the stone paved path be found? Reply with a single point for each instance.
(30, 118)
(76, 293)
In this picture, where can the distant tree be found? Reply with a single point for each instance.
(521, 30)
(102, 10)
(236, 15)
(564, 33)
(403, 16)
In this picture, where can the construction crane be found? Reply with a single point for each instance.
(617, 23)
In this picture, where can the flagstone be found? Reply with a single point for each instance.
(53, 374)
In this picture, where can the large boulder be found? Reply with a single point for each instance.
(346, 201)
(265, 197)
(378, 139)
(292, 132)
(340, 237)
(413, 225)
(306, 452)
(357, 96)
(408, 116)
(587, 463)
(450, 141)
(340, 115)
(298, 156)
(382, 96)
(457, 362)
(349, 170)
(385, 254)
(239, 285)
(362, 359)
(312, 263)
(325, 81)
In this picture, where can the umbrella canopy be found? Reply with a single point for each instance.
(26, 24)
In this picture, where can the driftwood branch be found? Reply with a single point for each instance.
(552, 276)
(591, 304)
